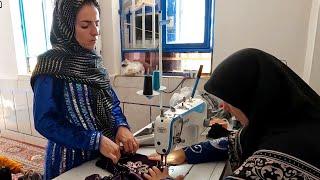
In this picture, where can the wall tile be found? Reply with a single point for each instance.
(9, 110)
(22, 112)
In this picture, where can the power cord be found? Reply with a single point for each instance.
(180, 84)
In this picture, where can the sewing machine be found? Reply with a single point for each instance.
(182, 124)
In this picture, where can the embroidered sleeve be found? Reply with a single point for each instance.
(120, 119)
(234, 149)
(50, 121)
(208, 151)
(268, 164)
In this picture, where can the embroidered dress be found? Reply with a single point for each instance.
(74, 104)
(267, 164)
(68, 120)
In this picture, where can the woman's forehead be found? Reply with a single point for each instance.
(88, 13)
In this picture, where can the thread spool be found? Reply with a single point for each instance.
(147, 86)
(156, 80)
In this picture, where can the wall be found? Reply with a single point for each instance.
(8, 65)
(110, 33)
(314, 80)
(278, 27)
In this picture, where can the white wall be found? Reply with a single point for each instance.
(8, 65)
(314, 80)
(110, 33)
(278, 27)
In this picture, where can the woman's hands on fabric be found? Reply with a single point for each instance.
(176, 157)
(156, 174)
(125, 136)
(109, 149)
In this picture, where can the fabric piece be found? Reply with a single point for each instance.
(122, 176)
(267, 164)
(217, 131)
(283, 111)
(137, 164)
(208, 151)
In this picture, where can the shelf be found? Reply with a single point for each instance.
(154, 93)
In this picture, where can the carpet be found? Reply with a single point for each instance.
(32, 157)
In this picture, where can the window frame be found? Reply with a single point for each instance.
(206, 46)
(24, 31)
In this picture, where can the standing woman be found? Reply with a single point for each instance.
(75, 107)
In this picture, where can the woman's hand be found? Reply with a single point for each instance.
(156, 174)
(176, 157)
(109, 149)
(125, 136)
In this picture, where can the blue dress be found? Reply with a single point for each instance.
(65, 114)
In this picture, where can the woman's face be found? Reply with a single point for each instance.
(87, 26)
(237, 113)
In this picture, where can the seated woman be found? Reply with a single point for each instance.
(280, 114)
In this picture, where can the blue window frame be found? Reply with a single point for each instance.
(36, 17)
(173, 8)
(170, 10)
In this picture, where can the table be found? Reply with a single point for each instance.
(205, 171)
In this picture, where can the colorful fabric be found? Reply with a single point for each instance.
(137, 164)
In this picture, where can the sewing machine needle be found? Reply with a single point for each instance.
(165, 160)
(161, 162)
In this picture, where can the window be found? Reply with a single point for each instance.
(187, 38)
(35, 17)
(191, 29)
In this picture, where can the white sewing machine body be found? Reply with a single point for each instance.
(181, 125)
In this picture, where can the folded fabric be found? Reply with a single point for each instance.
(128, 165)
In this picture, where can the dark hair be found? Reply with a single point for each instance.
(91, 2)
